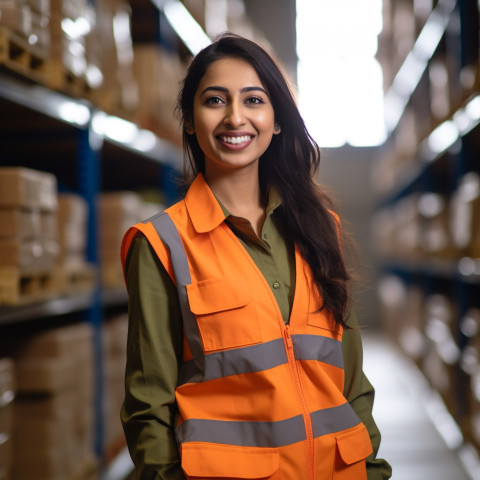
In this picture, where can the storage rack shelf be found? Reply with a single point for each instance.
(63, 305)
(67, 136)
(429, 290)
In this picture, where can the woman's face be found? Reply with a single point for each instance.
(233, 117)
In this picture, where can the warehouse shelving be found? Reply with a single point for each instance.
(428, 153)
(91, 149)
(78, 142)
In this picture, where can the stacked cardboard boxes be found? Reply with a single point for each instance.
(118, 211)
(28, 234)
(7, 395)
(470, 363)
(109, 46)
(29, 19)
(71, 23)
(74, 272)
(54, 409)
(158, 74)
(114, 359)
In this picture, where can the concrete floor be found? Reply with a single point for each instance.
(419, 438)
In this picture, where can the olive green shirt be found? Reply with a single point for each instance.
(155, 340)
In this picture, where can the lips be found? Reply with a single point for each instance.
(235, 141)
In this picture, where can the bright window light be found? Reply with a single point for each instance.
(184, 25)
(340, 82)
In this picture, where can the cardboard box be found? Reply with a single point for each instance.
(158, 74)
(28, 254)
(58, 407)
(9, 15)
(19, 223)
(47, 375)
(7, 380)
(53, 464)
(7, 395)
(41, 7)
(6, 456)
(72, 225)
(42, 434)
(25, 187)
(71, 341)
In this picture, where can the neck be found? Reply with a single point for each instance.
(240, 193)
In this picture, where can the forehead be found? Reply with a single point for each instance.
(230, 72)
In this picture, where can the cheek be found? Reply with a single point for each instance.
(266, 121)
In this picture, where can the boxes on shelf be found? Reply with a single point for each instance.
(114, 360)
(54, 410)
(74, 272)
(28, 19)
(397, 229)
(158, 74)
(28, 188)
(465, 216)
(118, 211)
(443, 353)
(28, 234)
(10, 14)
(109, 47)
(7, 395)
(435, 219)
(71, 22)
(402, 309)
(470, 363)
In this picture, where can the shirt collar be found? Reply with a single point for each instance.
(207, 212)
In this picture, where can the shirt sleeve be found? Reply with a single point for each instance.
(360, 394)
(153, 353)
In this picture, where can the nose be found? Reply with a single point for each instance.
(234, 115)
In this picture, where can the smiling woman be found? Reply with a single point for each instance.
(233, 119)
(244, 356)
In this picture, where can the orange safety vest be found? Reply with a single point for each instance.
(257, 399)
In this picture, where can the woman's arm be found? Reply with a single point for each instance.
(360, 394)
(153, 353)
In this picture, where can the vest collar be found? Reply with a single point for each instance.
(205, 210)
(202, 206)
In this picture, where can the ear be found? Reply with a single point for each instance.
(189, 128)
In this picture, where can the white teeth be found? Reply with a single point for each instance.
(236, 140)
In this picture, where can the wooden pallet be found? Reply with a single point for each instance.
(75, 278)
(20, 286)
(68, 82)
(31, 61)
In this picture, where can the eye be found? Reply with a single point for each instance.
(213, 101)
(254, 100)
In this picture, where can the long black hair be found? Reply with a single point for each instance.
(290, 163)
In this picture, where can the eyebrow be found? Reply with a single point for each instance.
(243, 90)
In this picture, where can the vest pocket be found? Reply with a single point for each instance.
(353, 448)
(225, 314)
(202, 461)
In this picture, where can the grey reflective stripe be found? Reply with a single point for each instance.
(314, 347)
(246, 434)
(257, 358)
(267, 434)
(167, 231)
(254, 358)
(333, 419)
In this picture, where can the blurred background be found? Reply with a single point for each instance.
(89, 145)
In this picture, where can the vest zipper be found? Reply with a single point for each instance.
(306, 413)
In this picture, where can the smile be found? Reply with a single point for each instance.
(236, 140)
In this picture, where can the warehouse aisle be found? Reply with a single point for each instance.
(404, 408)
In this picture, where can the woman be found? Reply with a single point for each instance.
(243, 358)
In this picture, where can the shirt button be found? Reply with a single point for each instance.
(276, 285)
